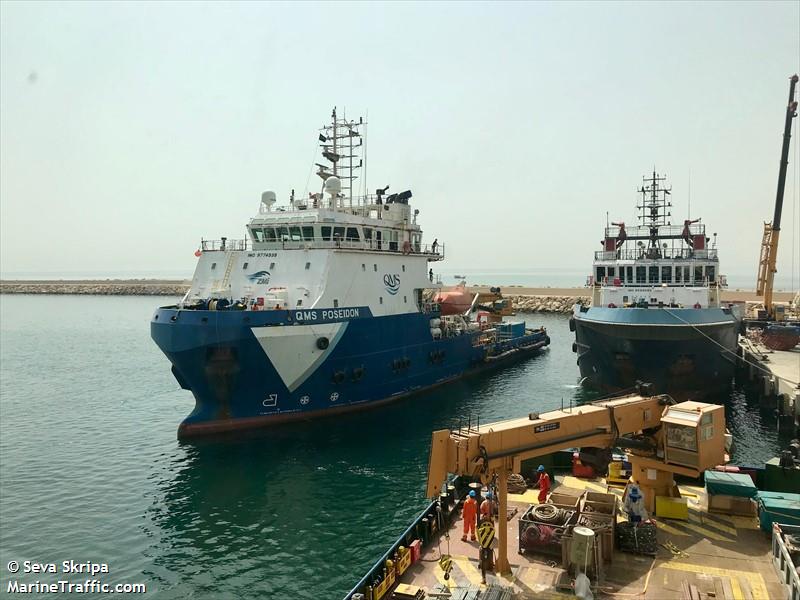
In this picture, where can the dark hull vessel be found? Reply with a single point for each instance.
(653, 345)
(655, 313)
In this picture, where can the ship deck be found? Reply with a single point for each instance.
(724, 557)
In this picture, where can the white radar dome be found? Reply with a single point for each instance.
(268, 199)
(333, 185)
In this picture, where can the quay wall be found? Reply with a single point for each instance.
(523, 299)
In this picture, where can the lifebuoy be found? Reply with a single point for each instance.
(697, 305)
(612, 305)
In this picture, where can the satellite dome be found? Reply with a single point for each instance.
(268, 198)
(333, 185)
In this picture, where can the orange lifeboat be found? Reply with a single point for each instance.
(455, 301)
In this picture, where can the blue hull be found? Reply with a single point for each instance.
(677, 350)
(217, 356)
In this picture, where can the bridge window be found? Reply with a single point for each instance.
(326, 233)
(610, 272)
(296, 235)
(283, 233)
(352, 234)
(269, 235)
(367, 234)
(678, 273)
(710, 273)
(698, 273)
(258, 234)
(308, 234)
(653, 274)
(338, 233)
(601, 274)
(629, 274)
(641, 274)
(666, 274)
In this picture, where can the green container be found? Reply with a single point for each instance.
(730, 484)
(777, 479)
(778, 507)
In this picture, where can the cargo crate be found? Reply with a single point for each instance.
(672, 508)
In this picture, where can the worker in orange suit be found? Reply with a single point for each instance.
(470, 515)
(487, 508)
(543, 483)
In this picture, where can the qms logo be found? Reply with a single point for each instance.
(259, 277)
(392, 283)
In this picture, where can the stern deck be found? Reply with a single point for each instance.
(724, 557)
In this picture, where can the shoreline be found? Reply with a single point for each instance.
(520, 295)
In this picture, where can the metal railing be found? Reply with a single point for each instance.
(433, 253)
(639, 231)
(659, 254)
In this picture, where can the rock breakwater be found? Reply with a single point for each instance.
(110, 287)
(546, 304)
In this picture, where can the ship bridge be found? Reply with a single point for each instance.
(666, 264)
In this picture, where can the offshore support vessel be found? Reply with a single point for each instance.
(327, 306)
(655, 311)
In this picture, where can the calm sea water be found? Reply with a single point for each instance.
(90, 469)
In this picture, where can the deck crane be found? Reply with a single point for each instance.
(662, 439)
(769, 243)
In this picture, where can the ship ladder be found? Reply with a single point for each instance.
(226, 278)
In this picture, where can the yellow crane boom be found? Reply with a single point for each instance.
(769, 243)
(662, 438)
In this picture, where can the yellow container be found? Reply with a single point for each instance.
(672, 508)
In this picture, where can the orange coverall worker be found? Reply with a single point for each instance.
(470, 514)
(544, 486)
(486, 509)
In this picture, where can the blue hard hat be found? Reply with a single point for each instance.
(634, 494)
(540, 469)
(472, 493)
(489, 495)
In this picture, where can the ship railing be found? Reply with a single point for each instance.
(660, 254)
(357, 205)
(224, 244)
(663, 231)
(432, 252)
(617, 282)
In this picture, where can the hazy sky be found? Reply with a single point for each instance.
(128, 131)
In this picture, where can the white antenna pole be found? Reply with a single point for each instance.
(366, 188)
(689, 211)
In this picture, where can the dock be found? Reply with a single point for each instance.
(709, 556)
(778, 375)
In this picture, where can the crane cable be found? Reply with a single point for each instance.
(724, 349)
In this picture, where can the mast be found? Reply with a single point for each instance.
(654, 206)
(341, 143)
